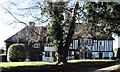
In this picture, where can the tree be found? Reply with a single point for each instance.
(62, 43)
(57, 25)
(52, 11)
(103, 17)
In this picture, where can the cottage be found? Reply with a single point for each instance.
(32, 38)
(85, 45)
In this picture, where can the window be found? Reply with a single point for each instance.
(74, 44)
(95, 41)
(86, 42)
(95, 47)
(90, 42)
(36, 45)
(101, 46)
(22, 44)
(49, 45)
(47, 54)
(102, 43)
(71, 53)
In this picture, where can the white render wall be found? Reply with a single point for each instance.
(116, 41)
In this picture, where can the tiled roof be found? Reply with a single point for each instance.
(82, 31)
(28, 34)
(36, 33)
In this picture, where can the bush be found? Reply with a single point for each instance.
(114, 58)
(106, 58)
(16, 53)
(97, 58)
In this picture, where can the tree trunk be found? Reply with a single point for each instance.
(63, 51)
(58, 33)
(61, 54)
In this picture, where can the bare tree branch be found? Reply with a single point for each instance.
(19, 20)
(40, 19)
(13, 15)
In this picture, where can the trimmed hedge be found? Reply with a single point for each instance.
(16, 53)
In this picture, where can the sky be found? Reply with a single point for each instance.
(7, 29)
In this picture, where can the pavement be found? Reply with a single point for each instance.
(110, 68)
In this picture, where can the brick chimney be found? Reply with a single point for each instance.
(31, 27)
(32, 24)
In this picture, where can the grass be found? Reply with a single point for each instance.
(91, 60)
(15, 64)
(74, 65)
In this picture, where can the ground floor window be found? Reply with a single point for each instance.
(49, 54)
(71, 53)
(36, 45)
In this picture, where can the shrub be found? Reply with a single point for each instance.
(16, 52)
(114, 58)
(97, 58)
(106, 58)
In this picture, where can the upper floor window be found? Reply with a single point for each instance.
(89, 41)
(22, 44)
(36, 45)
(49, 45)
(95, 41)
(85, 41)
(102, 43)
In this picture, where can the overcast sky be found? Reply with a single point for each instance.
(7, 30)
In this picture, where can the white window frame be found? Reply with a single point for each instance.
(36, 45)
(95, 41)
(102, 43)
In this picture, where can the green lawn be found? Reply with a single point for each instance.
(97, 60)
(15, 64)
(74, 65)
